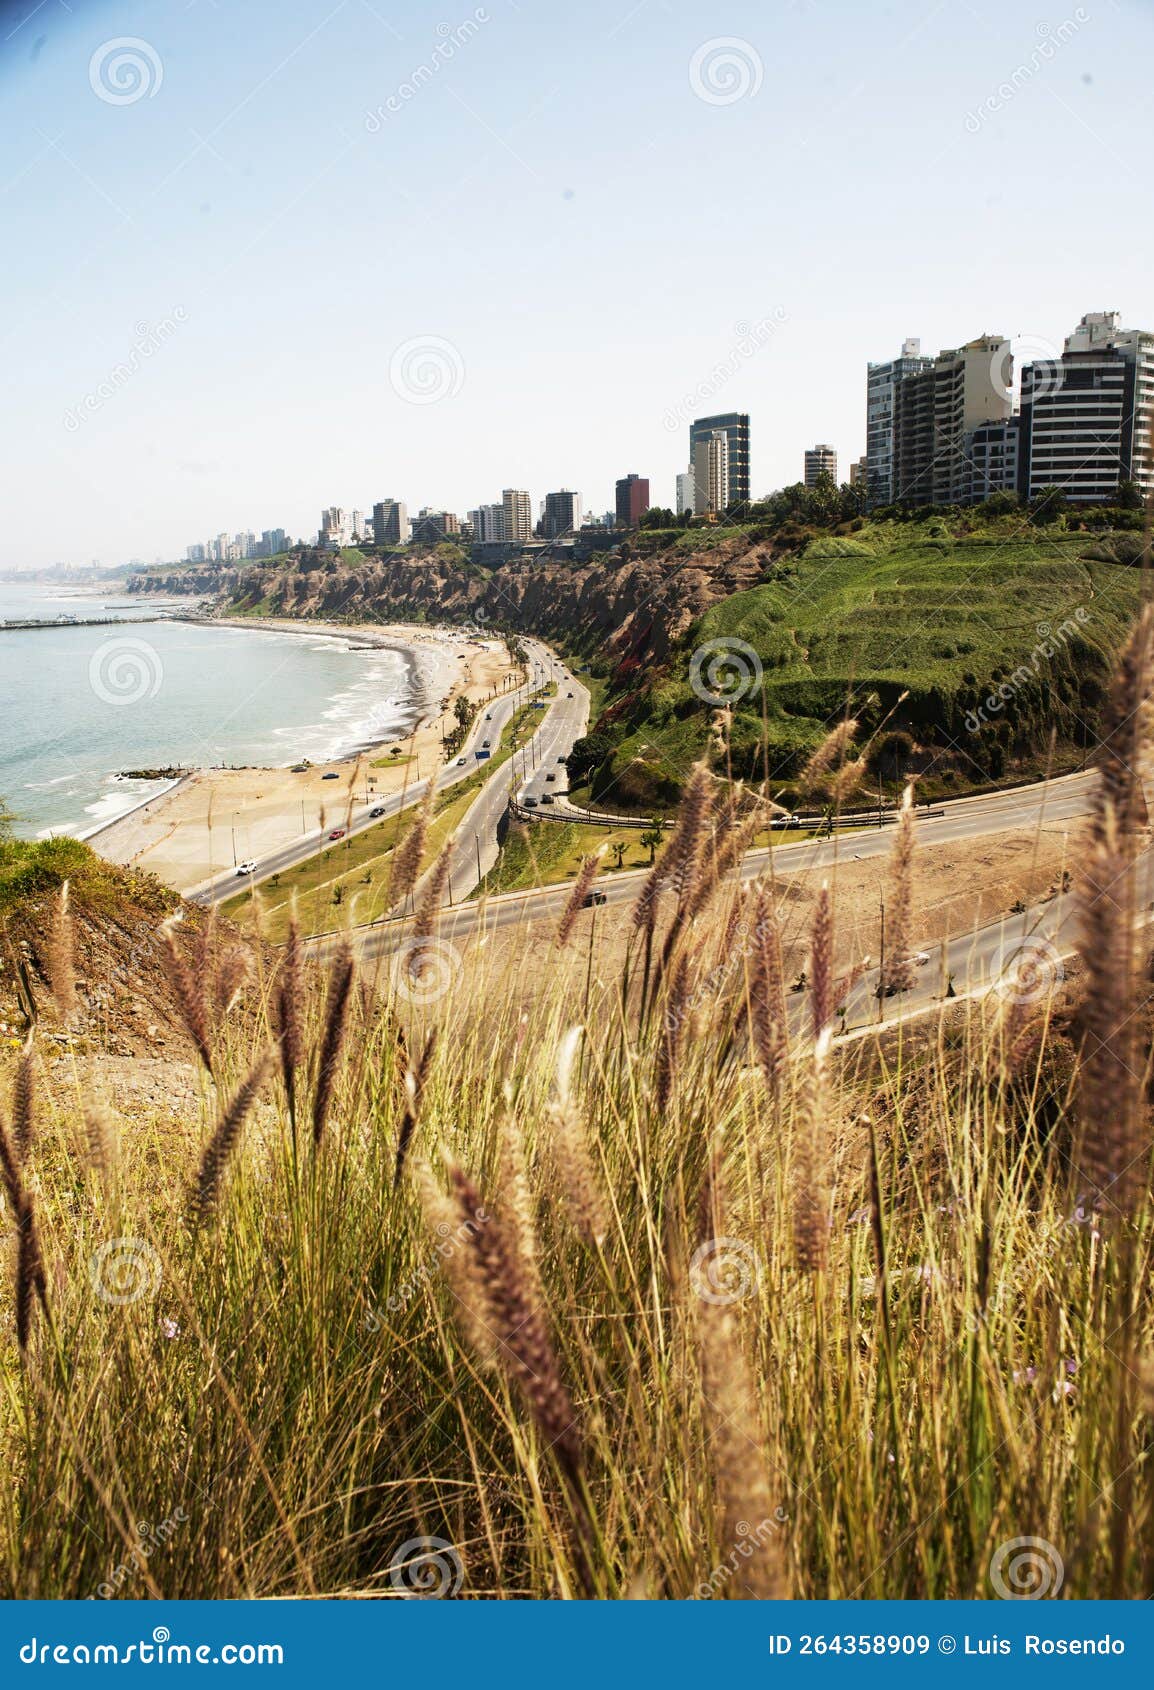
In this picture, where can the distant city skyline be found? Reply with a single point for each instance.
(235, 299)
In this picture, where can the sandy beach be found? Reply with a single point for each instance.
(215, 818)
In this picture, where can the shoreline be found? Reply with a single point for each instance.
(211, 818)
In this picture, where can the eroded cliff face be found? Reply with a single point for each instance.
(634, 603)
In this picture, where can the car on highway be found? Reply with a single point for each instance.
(485, 744)
(332, 775)
(530, 803)
(550, 775)
(461, 761)
(562, 759)
(548, 798)
(591, 899)
(246, 868)
(568, 695)
(338, 833)
(488, 715)
(378, 811)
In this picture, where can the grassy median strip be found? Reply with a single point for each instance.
(348, 880)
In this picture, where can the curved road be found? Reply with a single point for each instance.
(489, 723)
(1037, 939)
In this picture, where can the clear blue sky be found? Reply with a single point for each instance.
(572, 206)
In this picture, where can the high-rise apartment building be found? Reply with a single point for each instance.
(735, 427)
(993, 456)
(390, 523)
(881, 383)
(819, 461)
(518, 514)
(859, 473)
(936, 411)
(684, 500)
(632, 500)
(1086, 417)
(562, 514)
(274, 541)
(712, 486)
(488, 523)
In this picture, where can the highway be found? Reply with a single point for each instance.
(1020, 953)
(564, 720)
(489, 723)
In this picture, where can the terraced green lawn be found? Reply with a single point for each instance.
(855, 623)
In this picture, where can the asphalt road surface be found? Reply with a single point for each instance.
(490, 723)
(1020, 954)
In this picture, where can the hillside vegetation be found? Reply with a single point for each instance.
(974, 650)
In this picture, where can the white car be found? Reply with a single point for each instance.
(245, 868)
(461, 760)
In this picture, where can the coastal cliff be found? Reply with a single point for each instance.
(642, 597)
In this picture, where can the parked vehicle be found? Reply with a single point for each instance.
(332, 775)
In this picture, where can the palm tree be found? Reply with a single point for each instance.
(652, 837)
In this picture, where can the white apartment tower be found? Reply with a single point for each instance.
(711, 473)
(518, 514)
(1086, 417)
(819, 461)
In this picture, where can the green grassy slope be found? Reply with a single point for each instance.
(1031, 620)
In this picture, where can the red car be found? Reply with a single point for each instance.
(337, 833)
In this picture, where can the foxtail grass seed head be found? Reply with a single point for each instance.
(24, 1101)
(433, 896)
(582, 887)
(214, 1162)
(526, 1352)
(574, 1157)
(898, 969)
(1113, 1119)
(768, 1025)
(1125, 732)
(289, 1001)
(409, 853)
(811, 1180)
(61, 958)
(830, 752)
(754, 1564)
(821, 984)
(415, 1081)
(189, 988)
(341, 977)
(458, 1261)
